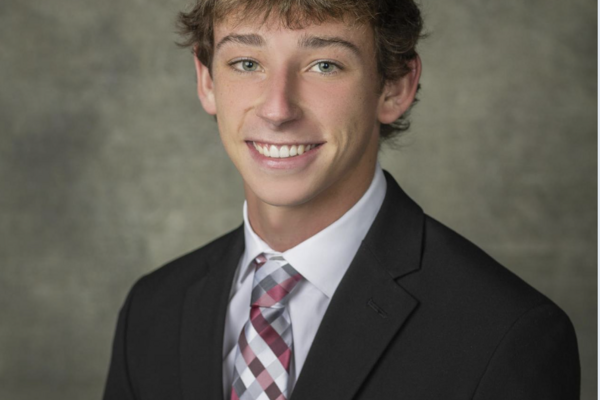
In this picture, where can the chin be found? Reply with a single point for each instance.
(283, 195)
(283, 199)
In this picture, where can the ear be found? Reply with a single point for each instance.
(205, 87)
(398, 95)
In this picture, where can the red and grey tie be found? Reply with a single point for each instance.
(264, 352)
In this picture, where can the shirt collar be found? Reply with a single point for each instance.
(324, 258)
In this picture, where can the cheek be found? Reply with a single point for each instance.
(340, 104)
(346, 113)
(228, 93)
(225, 99)
(232, 109)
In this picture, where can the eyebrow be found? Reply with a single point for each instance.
(319, 42)
(312, 42)
(248, 40)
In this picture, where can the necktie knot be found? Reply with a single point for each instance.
(274, 280)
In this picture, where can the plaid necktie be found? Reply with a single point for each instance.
(264, 351)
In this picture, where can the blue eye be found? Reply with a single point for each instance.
(249, 65)
(245, 65)
(326, 67)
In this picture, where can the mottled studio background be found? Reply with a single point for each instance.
(109, 167)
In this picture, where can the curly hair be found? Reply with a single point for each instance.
(397, 26)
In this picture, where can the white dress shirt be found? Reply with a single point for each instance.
(321, 259)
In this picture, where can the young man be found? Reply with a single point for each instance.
(337, 285)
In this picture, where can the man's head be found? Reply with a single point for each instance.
(396, 26)
(301, 92)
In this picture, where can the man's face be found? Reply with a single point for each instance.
(298, 110)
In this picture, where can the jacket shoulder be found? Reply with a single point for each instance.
(468, 278)
(483, 318)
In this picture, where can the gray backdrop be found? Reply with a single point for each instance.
(109, 167)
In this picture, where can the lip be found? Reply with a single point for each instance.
(296, 162)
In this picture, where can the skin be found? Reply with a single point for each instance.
(284, 94)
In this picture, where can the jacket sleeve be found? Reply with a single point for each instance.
(536, 359)
(118, 384)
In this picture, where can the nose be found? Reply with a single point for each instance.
(278, 105)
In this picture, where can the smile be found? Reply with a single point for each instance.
(282, 151)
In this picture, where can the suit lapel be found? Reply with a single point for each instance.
(203, 324)
(369, 307)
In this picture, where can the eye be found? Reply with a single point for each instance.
(249, 65)
(326, 67)
(245, 65)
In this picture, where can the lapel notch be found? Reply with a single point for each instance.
(364, 315)
(369, 306)
(396, 236)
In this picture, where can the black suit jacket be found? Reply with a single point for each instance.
(420, 314)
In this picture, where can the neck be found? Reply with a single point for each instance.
(284, 227)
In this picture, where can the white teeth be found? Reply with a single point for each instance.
(283, 151)
(273, 152)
